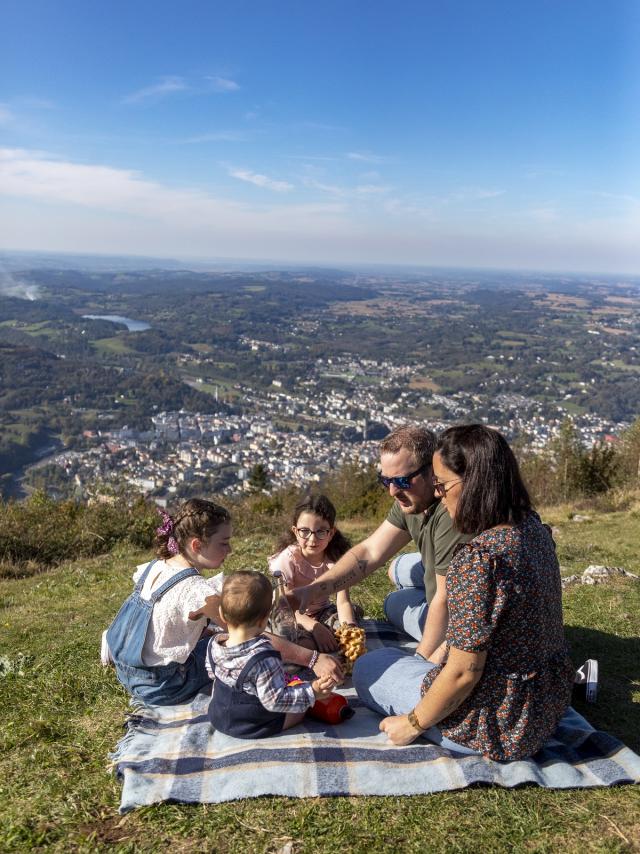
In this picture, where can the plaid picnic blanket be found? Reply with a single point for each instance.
(170, 753)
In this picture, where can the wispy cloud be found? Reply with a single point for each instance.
(223, 84)
(542, 214)
(30, 102)
(474, 194)
(311, 157)
(618, 197)
(166, 86)
(63, 205)
(6, 116)
(346, 192)
(365, 157)
(261, 180)
(535, 171)
(216, 136)
(319, 126)
(137, 215)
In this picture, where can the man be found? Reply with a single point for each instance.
(419, 604)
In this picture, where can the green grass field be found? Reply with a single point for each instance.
(116, 344)
(62, 714)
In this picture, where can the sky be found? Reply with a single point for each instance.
(465, 133)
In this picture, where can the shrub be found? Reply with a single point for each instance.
(41, 532)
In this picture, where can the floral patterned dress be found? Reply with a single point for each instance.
(504, 596)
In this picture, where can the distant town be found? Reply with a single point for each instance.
(171, 382)
(187, 452)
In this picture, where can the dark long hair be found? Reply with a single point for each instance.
(321, 506)
(194, 518)
(493, 492)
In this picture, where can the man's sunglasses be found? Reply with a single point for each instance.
(402, 481)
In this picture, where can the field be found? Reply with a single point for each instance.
(62, 714)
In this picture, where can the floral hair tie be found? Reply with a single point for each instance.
(166, 530)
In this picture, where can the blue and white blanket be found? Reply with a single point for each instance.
(171, 754)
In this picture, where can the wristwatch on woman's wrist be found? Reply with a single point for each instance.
(415, 723)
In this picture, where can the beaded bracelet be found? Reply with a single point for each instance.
(314, 658)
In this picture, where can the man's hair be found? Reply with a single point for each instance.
(420, 441)
(492, 489)
(246, 597)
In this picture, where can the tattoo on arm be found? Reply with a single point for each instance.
(475, 668)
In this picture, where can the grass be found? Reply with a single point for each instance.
(62, 713)
(116, 344)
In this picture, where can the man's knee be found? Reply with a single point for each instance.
(391, 572)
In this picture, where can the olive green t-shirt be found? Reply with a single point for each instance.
(434, 535)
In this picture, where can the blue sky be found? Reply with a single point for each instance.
(493, 133)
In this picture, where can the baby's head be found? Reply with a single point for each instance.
(246, 598)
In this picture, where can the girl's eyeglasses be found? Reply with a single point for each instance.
(320, 534)
(440, 487)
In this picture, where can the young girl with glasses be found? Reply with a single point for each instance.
(306, 551)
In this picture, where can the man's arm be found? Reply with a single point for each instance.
(435, 626)
(359, 562)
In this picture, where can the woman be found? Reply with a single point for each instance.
(506, 677)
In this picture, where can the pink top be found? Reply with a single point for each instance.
(298, 572)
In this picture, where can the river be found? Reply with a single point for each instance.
(40, 456)
(132, 325)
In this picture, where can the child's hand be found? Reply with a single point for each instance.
(324, 638)
(328, 665)
(322, 687)
(210, 609)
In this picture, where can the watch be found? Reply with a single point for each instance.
(415, 723)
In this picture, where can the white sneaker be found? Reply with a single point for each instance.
(105, 654)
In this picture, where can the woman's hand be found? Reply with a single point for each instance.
(398, 729)
(327, 665)
(324, 638)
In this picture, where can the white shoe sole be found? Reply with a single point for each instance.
(105, 654)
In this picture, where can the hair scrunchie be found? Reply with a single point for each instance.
(166, 530)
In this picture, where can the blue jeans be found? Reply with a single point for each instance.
(406, 608)
(388, 680)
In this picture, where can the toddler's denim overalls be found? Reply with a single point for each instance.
(242, 715)
(164, 684)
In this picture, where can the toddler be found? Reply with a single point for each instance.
(251, 695)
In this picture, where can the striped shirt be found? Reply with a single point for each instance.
(267, 680)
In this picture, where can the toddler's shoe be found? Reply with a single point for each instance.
(105, 654)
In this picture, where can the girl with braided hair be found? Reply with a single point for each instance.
(156, 642)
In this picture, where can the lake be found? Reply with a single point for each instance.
(132, 325)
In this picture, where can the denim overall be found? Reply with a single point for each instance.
(242, 715)
(164, 684)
